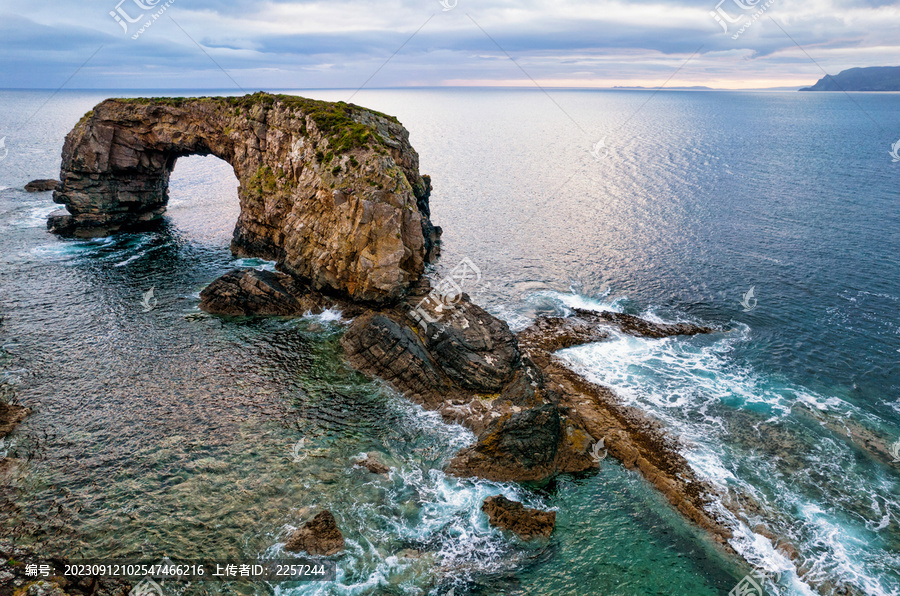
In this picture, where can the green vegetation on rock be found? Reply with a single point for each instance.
(335, 121)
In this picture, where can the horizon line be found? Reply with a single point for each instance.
(394, 88)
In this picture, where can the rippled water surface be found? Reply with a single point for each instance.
(167, 431)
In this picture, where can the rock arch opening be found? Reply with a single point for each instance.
(203, 198)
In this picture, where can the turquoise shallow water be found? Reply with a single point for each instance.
(173, 432)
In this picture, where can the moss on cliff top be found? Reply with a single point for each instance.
(333, 119)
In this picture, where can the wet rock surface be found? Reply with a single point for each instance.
(318, 536)
(466, 364)
(637, 326)
(530, 445)
(514, 517)
(243, 292)
(42, 185)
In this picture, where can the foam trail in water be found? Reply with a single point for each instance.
(698, 388)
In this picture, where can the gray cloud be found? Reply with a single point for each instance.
(290, 43)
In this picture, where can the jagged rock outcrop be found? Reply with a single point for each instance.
(318, 536)
(637, 326)
(514, 517)
(466, 364)
(529, 445)
(330, 191)
(242, 292)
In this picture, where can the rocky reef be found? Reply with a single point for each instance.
(465, 363)
(10, 417)
(330, 191)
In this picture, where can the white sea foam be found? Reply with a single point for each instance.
(259, 264)
(447, 517)
(686, 382)
(329, 315)
(32, 215)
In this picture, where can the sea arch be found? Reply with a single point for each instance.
(330, 191)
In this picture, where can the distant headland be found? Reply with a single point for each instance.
(872, 78)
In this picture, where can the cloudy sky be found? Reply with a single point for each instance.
(296, 44)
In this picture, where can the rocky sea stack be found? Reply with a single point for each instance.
(330, 191)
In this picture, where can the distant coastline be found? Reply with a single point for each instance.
(872, 78)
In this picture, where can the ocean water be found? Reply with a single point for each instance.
(168, 431)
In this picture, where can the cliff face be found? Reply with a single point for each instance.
(872, 78)
(330, 191)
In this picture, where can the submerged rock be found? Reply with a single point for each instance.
(318, 536)
(42, 185)
(373, 464)
(640, 327)
(330, 191)
(10, 417)
(515, 517)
